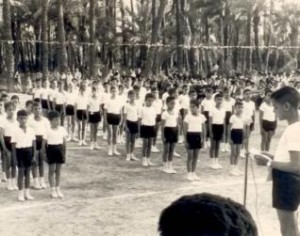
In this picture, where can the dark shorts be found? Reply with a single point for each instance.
(81, 115)
(217, 132)
(269, 125)
(237, 136)
(39, 141)
(24, 157)
(147, 131)
(132, 126)
(94, 117)
(55, 154)
(227, 117)
(194, 140)
(286, 190)
(158, 118)
(171, 134)
(70, 110)
(45, 104)
(113, 119)
(7, 142)
(59, 108)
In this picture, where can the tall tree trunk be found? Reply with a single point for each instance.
(155, 33)
(248, 39)
(92, 66)
(8, 46)
(179, 37)
(256, 20)
(45, 38)
(63, 60)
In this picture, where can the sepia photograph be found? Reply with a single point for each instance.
(149, 117)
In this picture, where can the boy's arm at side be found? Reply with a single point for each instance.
(163, 122)
(34, 148)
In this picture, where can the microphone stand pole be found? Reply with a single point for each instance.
(246, 178)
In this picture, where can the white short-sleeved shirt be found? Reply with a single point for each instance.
(170, 118)
(237, 122)
(228, 104)
(132, 112)
(56, 136)
(249, 108)
(37, 93)
(184, 101)
(44, 93)
(60, 98)
(289, 141)
(40, 127)
(52, 94)
(208, 104)
(113, 106)
(195, 122)
(81, 102)
(71, 98)
(122, 98)
(23, 139)
(8, 126)
(268, 112)
(148, 115)
(218, 115)
(157, 104)
(94, 104)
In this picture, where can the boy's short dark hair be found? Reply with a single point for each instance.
(28, 103)
(209, 90)
(195, 102)
(287, 94)
(53, 115)
(37, 104)
(15, 97)
(219, 95)
(206, 214)
(246, 90)
(22, 113)
(171, 91)
(170, 98)
(8, 105)
(130, 93)
(149, 96)
(238, 103)
(136, 87)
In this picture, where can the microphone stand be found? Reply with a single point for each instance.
(246, 177)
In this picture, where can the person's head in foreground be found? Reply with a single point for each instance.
(205, 215)
(286, 103)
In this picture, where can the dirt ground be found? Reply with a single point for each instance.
(108, 196)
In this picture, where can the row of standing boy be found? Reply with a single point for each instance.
(140, 113)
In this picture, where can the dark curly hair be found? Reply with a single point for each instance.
(205, 215)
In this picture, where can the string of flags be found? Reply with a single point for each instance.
(201, 46)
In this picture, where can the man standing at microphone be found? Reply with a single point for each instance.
(285, 164)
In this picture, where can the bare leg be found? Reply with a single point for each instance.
(288, 223)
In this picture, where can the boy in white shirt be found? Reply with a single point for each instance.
(40, 125)
(237, 126)
(193, 127)
(55, 150)
(267, 121)
(249, 115)
(147, 118)
(206, 105)
(285, 165)
(216, 130)
(23, 150)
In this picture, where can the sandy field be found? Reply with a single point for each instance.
(108, 196)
